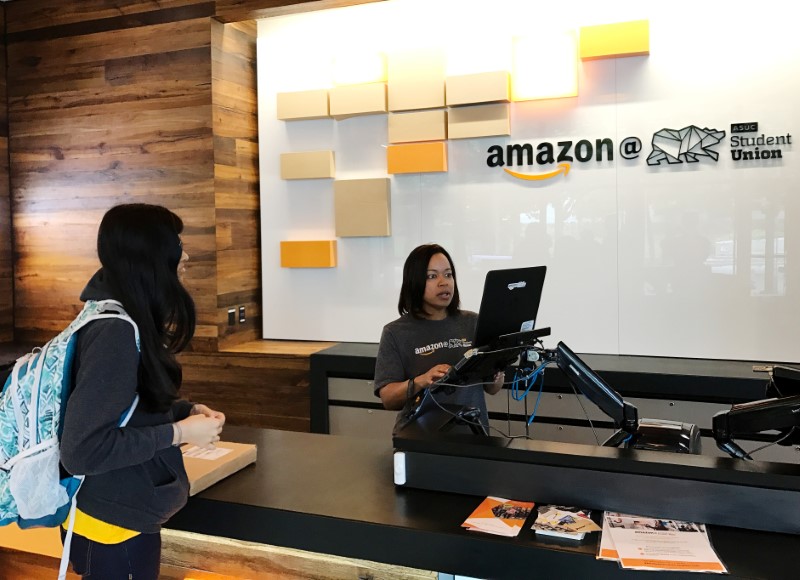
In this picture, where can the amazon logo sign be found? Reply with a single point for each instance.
(562, 153)
(669, 146)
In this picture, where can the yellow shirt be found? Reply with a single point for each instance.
(98, 530)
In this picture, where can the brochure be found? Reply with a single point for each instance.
(644, 543)
(564, 522)
(606, 550)
(500, 516)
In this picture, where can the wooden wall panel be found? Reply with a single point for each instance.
(235, 125)
(238, 10)
(24, 566)
(254, 390)
(6, 262)
(106, 109)
(66, 16)
(29, 566)
(238, 559)
(187, 555)
(143, 100)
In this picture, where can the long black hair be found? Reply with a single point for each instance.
(139, 246)
(415, 275)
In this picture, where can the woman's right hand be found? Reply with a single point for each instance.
(200, 430)
(426, 380)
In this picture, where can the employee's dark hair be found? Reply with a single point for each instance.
(415, 272)
(139, 246)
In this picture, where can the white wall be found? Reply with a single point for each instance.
(666, 260)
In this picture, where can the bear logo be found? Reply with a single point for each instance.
(687, 144)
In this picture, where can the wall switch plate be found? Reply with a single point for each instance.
(231, 316)
(241, 314)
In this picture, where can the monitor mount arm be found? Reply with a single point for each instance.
(594, 388)
(755, 417)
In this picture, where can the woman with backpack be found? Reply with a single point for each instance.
(135, 479)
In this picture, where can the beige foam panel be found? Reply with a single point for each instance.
(303, 105)
(416, 79)
(479, 121)
(485, 87)
(353, 100)
(362, 207)
(418, 126)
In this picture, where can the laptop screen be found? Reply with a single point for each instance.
(510, 303)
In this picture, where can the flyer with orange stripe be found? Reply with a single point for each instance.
(644, 543)
(497, 515)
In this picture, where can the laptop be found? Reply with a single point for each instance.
(506, 320)
(509, 304)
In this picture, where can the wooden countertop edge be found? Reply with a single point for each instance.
(297, 348)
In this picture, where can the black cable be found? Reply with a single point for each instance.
(585, 413)
(467, 421)
(776, 442)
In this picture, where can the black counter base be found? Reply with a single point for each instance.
(334, 495)
(722, 491)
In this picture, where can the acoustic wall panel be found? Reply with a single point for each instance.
(416, 79)
(307, 165)
(418, 126)
(485, 87)
(358, 65)
(349, 101)
(362, 207)
(479, 121)
(308, 254)
(417, 158)
(303, 105)
(615, 40)
(553, 77)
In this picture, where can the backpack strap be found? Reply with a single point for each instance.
(104, 309)
(35, 362)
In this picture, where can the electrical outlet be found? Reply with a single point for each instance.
(231, 316)
(241, 314)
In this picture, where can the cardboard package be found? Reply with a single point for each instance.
(207, 467)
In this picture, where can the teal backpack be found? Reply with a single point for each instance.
(32, 406)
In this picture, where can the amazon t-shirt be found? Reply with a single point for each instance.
(410, 347)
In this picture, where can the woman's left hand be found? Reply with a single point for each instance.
(200, 409)
(497, 383)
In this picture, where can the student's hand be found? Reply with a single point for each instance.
(200, 409)
(433, 375)
(200, 430)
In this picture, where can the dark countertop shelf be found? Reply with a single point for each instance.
(335, 495)
(707, 380)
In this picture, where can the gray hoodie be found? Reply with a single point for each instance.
(134, 477)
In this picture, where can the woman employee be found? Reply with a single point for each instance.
(431, 334)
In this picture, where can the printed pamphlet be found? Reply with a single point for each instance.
(564, 522)
(500, 516)
(644, 543)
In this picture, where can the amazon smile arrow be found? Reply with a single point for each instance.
(562, 168)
